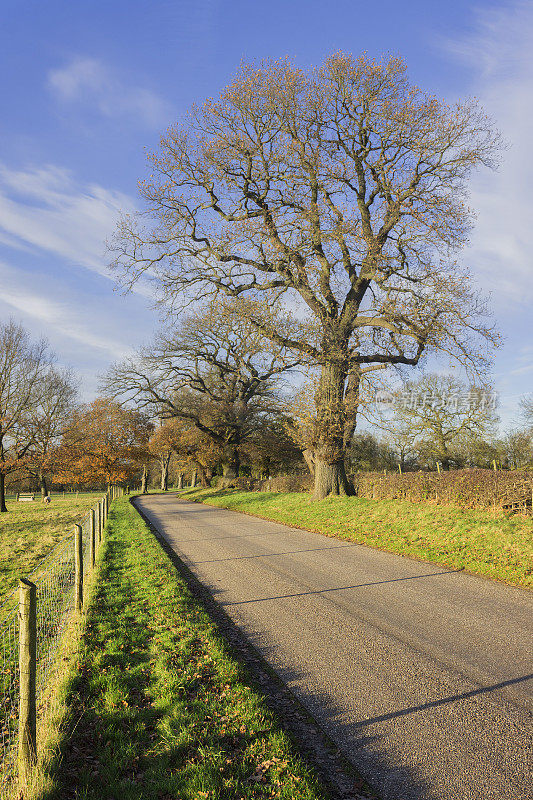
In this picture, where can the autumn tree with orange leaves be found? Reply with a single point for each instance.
(177, 439)
(338, 191)
(105, 443)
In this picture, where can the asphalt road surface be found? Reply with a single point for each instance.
(422, 675)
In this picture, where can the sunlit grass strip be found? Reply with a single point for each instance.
(158, 708)
(474, 540)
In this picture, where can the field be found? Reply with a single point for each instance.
(156, 707)
(29, 531)
(499, 547)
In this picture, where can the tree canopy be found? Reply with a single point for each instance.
(339, 192)
(104, 444)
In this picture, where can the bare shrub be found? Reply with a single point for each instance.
(468, 488)
(286, 483)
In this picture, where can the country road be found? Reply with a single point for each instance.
(422, 675)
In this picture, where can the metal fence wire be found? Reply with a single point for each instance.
(9, 694)
(55, 592)
(54, 578)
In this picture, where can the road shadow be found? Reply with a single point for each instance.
(328, 589)
(268, 555)
(442, 701)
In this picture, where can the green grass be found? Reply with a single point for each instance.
(28, 531)
(158, 708)
(496, 547)
(11, 497)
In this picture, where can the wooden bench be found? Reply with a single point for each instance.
(24, 497)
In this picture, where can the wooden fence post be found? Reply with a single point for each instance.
(78, 569)
(92, 537)
(27, 751)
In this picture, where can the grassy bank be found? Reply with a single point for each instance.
(157, 708)
(29, 531)
(477, 541)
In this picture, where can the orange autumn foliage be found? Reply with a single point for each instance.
(105, 443)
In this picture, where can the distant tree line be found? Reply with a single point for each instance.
(211, 397)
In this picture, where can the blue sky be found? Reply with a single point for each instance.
(88, 86)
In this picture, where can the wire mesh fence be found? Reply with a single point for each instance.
(56, 580)
(9, 689)
(55, 590)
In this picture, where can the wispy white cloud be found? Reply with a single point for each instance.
(498, 53)
(90, 81)
(44, 208)
(56, 316)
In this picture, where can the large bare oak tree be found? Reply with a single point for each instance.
(340, 191)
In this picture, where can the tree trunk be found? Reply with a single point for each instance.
(205, 479)
(231, 462)
(144, 480)
(180, 480)
(44, 487)
(330, 472)
(3, 506)
(331, 478)
(164, 472)
(193, 479)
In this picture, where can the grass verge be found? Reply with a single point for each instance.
(476, 541)
(28, 531)
(158, 709)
